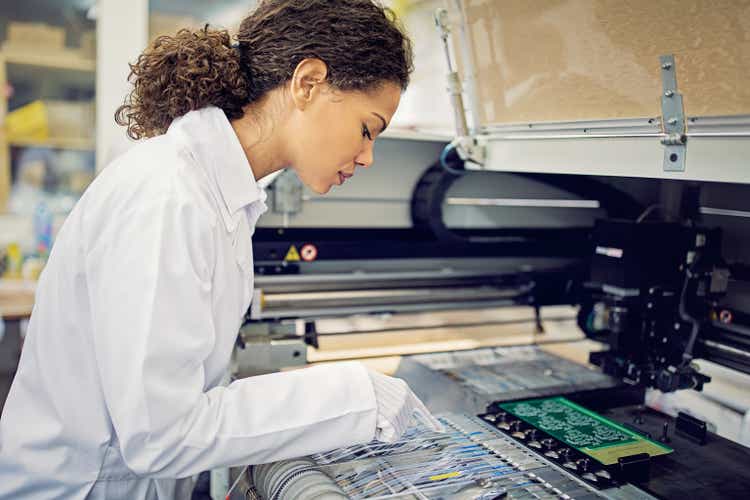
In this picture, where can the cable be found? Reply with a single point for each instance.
(448, 149)
(687, 356)
(646, 213)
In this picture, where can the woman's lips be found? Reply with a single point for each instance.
(343, 177)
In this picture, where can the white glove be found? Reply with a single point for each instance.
(396, 407)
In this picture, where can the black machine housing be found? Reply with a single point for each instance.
(654, 291)
(652, 286)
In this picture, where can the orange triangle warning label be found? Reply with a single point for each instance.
(292, 255)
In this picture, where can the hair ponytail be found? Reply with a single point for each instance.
(361, 42)
(180, 73)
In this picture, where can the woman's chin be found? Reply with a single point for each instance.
(321, 188)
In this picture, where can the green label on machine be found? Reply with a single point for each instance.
(583, 430)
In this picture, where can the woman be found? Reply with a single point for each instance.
(117, 393)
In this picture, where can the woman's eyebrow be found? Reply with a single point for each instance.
(385, 124)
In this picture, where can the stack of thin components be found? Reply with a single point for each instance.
(471, 460)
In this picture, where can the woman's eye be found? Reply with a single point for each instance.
(366, 132)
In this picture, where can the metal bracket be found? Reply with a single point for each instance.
(287, 193)
(269, 356)
(268, 347)
(673, 118)
(454, 80)
(472, 150)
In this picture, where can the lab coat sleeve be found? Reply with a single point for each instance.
(150, 297)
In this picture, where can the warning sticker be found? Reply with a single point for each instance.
(292, 255)
(309, 252)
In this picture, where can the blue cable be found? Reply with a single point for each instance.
(444, 160)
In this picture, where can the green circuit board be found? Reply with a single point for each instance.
(584, 430)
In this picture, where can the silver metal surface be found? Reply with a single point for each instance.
(520, 202)
(699, 126)
(267, 331)
(594, 134)
(269, 356)
(644, 125)
(726, 348)
(724, 211)
(469, 380)
(454, 81)
(386, 297)
(623, 156)
(315, 296)
(312, 313)
(561, 134)
(347, 199)
(373, 280)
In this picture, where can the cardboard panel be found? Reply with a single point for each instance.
(566, 60)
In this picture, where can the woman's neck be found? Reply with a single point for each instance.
(261, 138)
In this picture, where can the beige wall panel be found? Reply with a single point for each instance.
(564, 60)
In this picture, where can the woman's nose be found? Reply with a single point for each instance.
(365, 157)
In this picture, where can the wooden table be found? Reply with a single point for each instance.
(16, 298)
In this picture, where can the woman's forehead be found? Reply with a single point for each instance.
(382, 100)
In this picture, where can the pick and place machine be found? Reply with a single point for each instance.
(524, 420)
(550, 321)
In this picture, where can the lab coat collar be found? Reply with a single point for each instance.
(208, 134)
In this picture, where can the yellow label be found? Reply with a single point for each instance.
(292, 255)
(610, 454)
(447, 475)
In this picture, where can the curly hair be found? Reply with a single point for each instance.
(361, 42)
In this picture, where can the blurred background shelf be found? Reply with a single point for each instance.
(64, 60)
(64, 79)
(73, 143)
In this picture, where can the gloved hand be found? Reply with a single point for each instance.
(397, 404)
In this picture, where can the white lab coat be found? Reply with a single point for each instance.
(136, 314)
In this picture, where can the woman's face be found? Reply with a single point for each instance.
(335, 132)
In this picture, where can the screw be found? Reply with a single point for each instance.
(669, 93)
(672, 121)
(666, 65)
(664, 433)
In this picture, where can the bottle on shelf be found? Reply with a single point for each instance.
(43, 230)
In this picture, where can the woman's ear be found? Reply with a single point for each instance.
(307, 81)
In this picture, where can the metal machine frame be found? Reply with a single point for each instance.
(671, 146)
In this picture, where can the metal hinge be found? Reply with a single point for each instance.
(673, 118)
